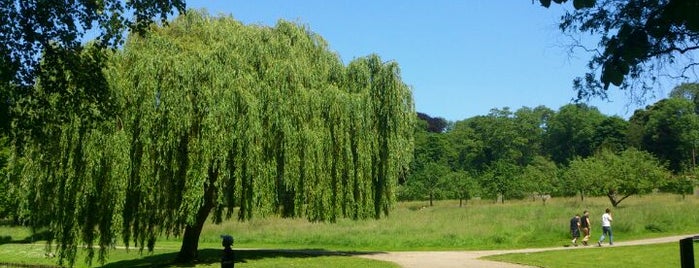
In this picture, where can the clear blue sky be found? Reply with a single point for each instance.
(462, 58)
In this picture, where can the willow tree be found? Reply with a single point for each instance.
(214, 115)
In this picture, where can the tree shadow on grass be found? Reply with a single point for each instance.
(8, 239)
(213, 256)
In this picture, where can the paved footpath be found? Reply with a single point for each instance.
(458, 259)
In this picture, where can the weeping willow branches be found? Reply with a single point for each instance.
(213, 117)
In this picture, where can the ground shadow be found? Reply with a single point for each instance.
(39, 236)
(213, 256)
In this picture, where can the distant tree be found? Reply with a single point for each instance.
(434, 124)
(532, 125)
(682, 184)
(583, 176)
(689, 91)
(570, 132)
(540, 178)
(670, 131)
(464, 186)
(499, 137)
(500, 181)
(638, 38)
(618, 176)
(611, 134)
(431, 182)
(633, 172)
(467, 145)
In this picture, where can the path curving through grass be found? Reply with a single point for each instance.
(459, 259)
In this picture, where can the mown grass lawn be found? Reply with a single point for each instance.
(480, 224)
(657, 255)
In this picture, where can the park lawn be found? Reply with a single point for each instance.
(656, 255)
(480, 224)
(209, 256)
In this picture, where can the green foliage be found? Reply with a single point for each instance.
(570, 132)
(638, 38)
(583, 176)
(430, 182)
(30, 29)
(689, 91)
(463, 186)
(7, 206)
(683, 184)
(207, 114)
(619, 176)
(44, 41)
(500, 181)
(670, 130)
(611, 134)
(541, 177)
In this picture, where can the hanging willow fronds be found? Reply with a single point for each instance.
(212, 115)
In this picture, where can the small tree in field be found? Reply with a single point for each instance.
(464, 186)
(630, 173)
(501, 181)
(619, 176)
(431, 182)
(540, 177)
(583, 176)
(682, 184)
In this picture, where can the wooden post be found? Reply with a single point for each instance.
(687, 252)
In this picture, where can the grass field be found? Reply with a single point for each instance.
(656, 256)
(480, 224)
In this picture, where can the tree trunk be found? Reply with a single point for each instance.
(612, 198)
(431, 197)
(190, 243)
(190, 239)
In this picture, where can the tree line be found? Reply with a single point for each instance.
(576, 150)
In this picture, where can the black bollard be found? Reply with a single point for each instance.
(687, 252)
(227, 257)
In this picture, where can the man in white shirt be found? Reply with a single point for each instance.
(606, 227)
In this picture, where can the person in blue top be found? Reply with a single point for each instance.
(575, 229)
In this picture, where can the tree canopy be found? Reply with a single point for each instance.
(210, 115)
(638, 40)
(34, 31)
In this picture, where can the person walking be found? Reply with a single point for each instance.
(606, 227)
(575, 229)
(586, 227)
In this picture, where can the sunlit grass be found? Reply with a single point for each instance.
(655, 256)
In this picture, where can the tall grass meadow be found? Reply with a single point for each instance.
(479, 224)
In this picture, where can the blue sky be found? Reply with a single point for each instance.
(462, 58)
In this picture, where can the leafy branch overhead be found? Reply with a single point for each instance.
(27, 28)
(639, 40)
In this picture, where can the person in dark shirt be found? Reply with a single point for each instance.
(227, 258)
(575, 229)
(586, 227)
